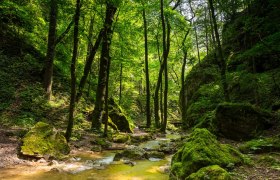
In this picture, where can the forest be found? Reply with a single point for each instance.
(140, 89)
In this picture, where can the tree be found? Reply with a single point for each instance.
(48, 74)
(97, 113)
(148, 113)
(220, 52)
(73, 71)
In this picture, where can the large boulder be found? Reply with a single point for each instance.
(241, 121)
(202, 150)
(43, 140)
(118, 120)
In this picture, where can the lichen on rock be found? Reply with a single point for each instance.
(43, 140)
(201, 150)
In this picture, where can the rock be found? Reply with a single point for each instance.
(43, 140)
(56, 170)
(155, 154)
(164, 169)
(210, 172)
(121, 138)
(201, 150)
(128, 162)
(118, 118)
(241, 121)
(262, 145)
(42, 160)
(101, 142)
(141, 137)
(132, 153)
(96, 148)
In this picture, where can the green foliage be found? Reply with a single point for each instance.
(201, 150)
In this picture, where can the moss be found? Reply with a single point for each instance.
(262, 145)
(42, 140)
(118, 117)
(132, 153)
(121, 138)
(201, 150)
(210, 172)
(242, 121)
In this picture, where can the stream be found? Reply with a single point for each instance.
(93, 165)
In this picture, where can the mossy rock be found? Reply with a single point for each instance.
(131, 153)
(42, 140)
(118, 117)
(210, 172)
(263, 145)
(138, 138)
(121, 138)
(155, 154)
(241, 121)
(201, 150)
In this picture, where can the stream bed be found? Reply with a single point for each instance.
(93, 165)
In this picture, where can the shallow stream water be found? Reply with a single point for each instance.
(97, 166)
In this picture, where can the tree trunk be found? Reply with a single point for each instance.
(96, 115)
(120, 93)
(220, 53)
(48, 76)
(206, 31)
(197, 48)
(166, 46)
(88, 64)
(73, 72)
(148, 113)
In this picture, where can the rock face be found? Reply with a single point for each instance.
(202, 150)
(118, 119)
(241, 121)
(43, 140)
(210, 172)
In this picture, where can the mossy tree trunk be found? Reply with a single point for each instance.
(96, 115)
(73, 71)
(48, 74)
(148, 111)
(222, 61)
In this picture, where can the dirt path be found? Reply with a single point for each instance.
(9, 143)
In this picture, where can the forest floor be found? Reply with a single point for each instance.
(10, 141)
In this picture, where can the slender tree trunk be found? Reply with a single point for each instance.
(197, 48)
(156, 99)
(96, 115)
(73, 72)
(220, 53)
(158, 87)
(148, 113)
(88, 64)
(206, 31)
(166, 46)
(48, 76)
(120, 93)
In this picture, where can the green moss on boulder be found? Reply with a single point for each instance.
(241, 121)
(42, 140)
(121, 138)
(118, 118)
(210, 172)
(201, 150)
(263, 145)
(132, 153)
